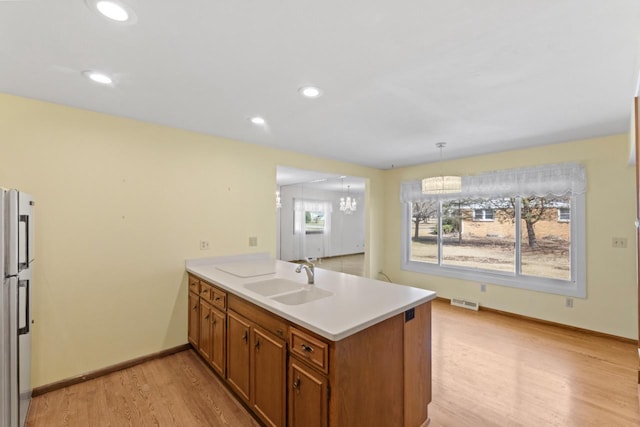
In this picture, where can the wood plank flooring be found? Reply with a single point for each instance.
(494, 370)
(488, 370)
(178, 390)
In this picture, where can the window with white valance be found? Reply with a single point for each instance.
(517, 227)
(557, 180)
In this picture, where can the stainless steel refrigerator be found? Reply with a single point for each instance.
(16, 272)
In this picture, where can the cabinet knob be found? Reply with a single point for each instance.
(195, 307)
(257, 345)
(296, 385)
(213, 321)
(307, 348)
(245, 336)
(206, 317)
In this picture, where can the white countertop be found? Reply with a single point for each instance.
(356, 303)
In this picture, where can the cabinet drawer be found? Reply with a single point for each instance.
(218, 298)
(310, 349)
(194, 284)
(206, 291)
(267, 320)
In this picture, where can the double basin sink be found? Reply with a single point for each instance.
(287, 292)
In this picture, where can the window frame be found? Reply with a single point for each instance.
(484, 215)
(575, 287)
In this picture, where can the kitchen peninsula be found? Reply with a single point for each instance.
(345, 351)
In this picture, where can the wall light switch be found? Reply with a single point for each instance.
(253, 241)
(204, 245)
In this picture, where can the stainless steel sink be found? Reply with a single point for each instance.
(273, 286)
(302, 296)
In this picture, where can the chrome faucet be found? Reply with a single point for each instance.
(309, 268)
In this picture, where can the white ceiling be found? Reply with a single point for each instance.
(319, 180)
(397, 76)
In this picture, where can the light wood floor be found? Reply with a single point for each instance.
(178, 390)
(488, 370)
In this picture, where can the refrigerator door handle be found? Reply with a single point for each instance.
(23, 307)
(23, 242)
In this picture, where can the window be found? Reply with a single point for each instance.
(314, 222)
(507, 227)
(564, 214)
(483, 214)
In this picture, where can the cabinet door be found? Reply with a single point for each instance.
(205, 330)
(269, 377)
(218, 340)
(238, 354)
(308, 396)
(194, 319)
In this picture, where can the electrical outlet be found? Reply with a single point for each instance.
(204, 245)
(619, 242)
(483, 287)
(568, 302)
(253, 241)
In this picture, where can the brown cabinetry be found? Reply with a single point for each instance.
(208, 322)
(308, 382)
(218, 341)
(256, 360)
(204, 342)
(289, 375)
(238, 355)
(308, 396)
(194, 319)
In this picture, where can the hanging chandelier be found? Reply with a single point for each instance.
(443, 184)
(348, 204)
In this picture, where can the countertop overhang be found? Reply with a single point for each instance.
(356, 304)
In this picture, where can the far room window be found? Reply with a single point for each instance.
(314, 222)
(522, 228)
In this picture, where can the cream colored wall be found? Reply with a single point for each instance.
(611, 303)
(120, 205)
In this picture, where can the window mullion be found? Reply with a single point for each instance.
(518, 239)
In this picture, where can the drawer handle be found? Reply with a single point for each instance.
(307, 348)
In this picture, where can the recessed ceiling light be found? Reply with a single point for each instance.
(257, 120)
(114, 10)
(310, 91)
(98, 77)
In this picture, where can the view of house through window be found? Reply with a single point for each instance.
(483, 234)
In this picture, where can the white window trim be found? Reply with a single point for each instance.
(576, 287)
